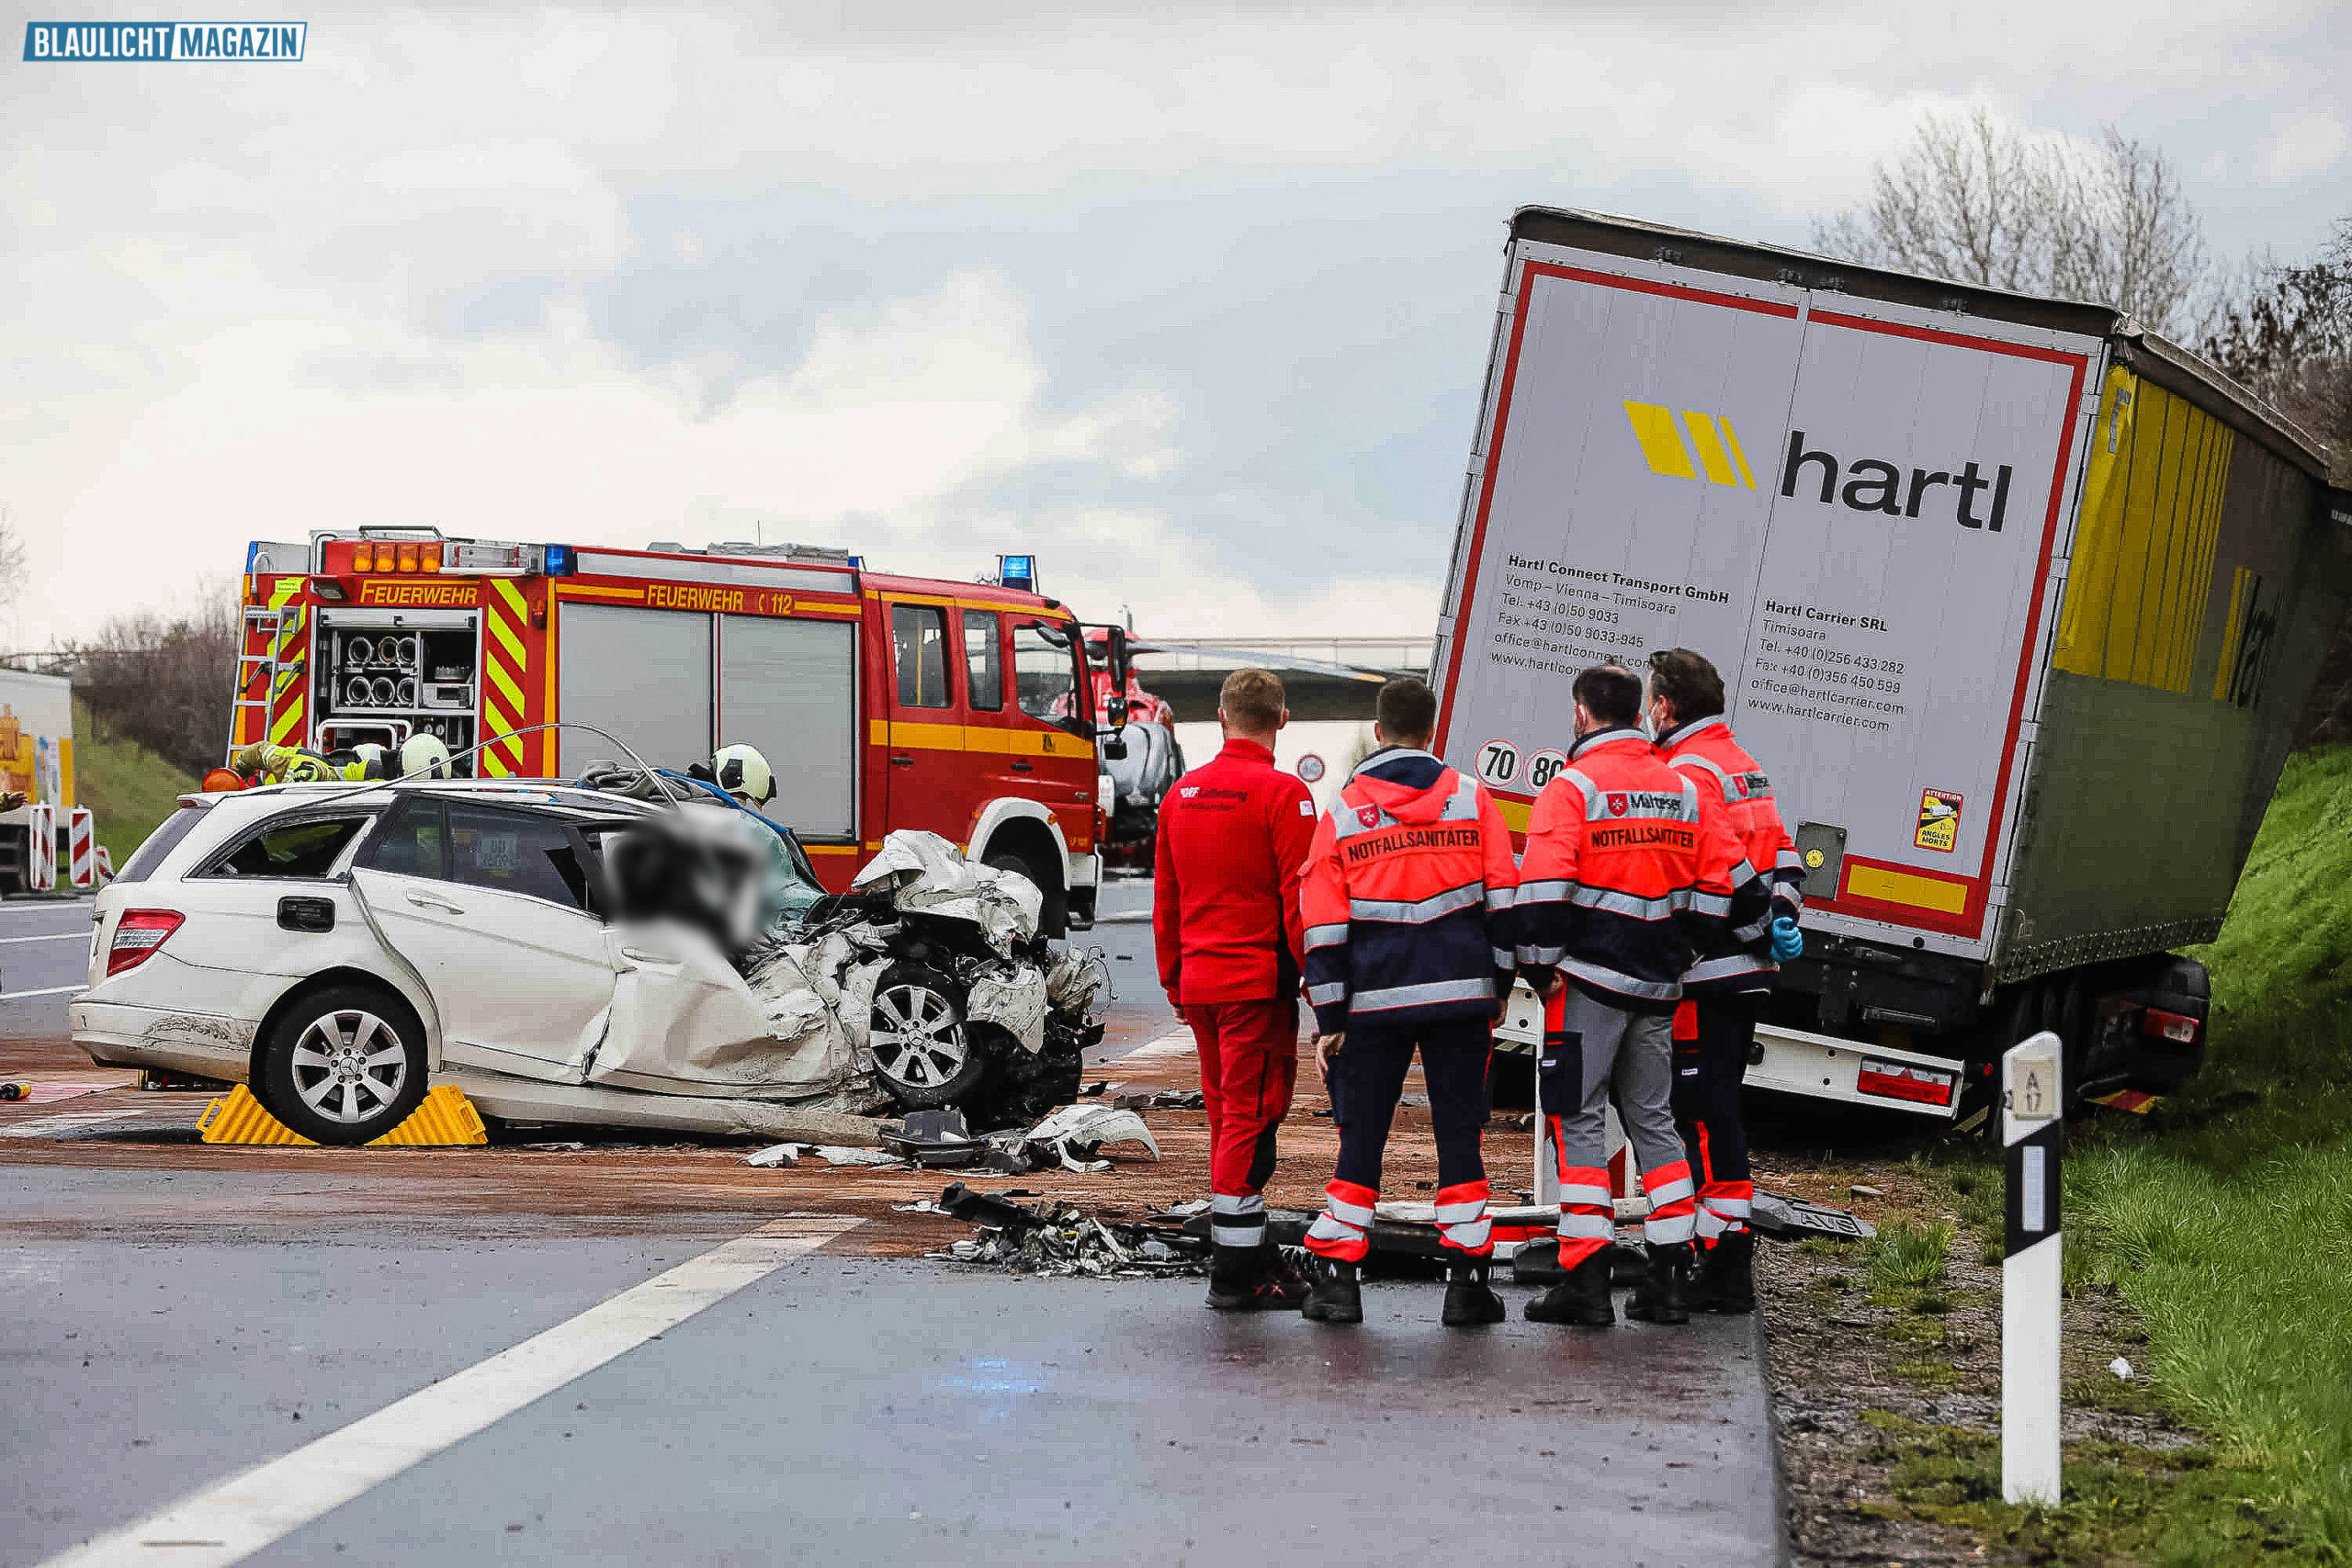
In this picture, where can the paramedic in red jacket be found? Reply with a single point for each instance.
(1723, 996)
(1409, 944)
(1631, 874)
(1232, 840)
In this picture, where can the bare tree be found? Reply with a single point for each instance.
(1980, 201)
(163, 679)
(12, 560)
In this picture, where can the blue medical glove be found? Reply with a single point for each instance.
(1788, 942)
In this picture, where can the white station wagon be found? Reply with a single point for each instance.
(339, 947)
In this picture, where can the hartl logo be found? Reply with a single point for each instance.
(1670, 444)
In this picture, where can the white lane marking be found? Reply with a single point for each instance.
(228, 1522)
(60, 936)
(1177, 1042)
(43, 1126)
(51, 991)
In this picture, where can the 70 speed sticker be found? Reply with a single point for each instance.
(1502, 766)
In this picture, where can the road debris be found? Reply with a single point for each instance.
(1778, 1215)
(1054, 1240)
(789, 1155)
(1159, 1099)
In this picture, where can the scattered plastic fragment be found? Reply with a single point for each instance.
(2120, 1368)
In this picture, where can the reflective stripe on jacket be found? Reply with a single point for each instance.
(1629, 877)
(1711, 756)
(1407, 897)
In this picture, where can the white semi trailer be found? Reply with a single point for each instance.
(2014, 601)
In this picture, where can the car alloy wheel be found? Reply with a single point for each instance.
(919, 1040)
(349, 1066)
(342, 1064)
(924, 1050)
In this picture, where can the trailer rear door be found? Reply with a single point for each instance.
(1850, 506)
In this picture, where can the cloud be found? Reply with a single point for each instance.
(300, 423)
(1198, 298)
(2308, 143)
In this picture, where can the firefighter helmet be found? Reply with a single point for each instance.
(741, 771)
(369, 759)
(424, 756)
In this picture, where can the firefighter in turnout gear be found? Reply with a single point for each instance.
(1409, 943)
(1723, 996)
(1630, 875)
(1233, 838)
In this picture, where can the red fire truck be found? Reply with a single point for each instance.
(882, 703)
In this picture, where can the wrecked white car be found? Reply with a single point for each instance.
(573, 956)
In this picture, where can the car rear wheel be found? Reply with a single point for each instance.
(927, 1055)
(344, 1066)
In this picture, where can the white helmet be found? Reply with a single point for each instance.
(370, 758)
(741, 771)
(424, 756)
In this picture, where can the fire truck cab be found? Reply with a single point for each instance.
(882, 703)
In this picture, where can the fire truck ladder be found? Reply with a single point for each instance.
(263, 670)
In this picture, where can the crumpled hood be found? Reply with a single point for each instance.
(1411, 786)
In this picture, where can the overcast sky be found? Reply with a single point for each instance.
(1193, 302)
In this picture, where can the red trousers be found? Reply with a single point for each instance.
(1248, 1066)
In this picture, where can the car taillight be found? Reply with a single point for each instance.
(137, 935)
(1897, 1080)
(2176, 1027)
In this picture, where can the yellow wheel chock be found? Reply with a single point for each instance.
(444, 1117)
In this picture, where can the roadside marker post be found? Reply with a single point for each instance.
(2034, 1135)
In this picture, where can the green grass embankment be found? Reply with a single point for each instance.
(2225, 1217)
(127, 788)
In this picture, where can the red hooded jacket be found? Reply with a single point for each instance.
(1233, 839)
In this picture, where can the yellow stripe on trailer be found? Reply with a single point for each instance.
(1901, 887)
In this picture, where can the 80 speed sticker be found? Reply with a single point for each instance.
(1501, 765)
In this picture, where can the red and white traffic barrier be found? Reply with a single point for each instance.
(40, 845)
(82, 847)
(105, 865)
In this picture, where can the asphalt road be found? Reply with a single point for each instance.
(462, 1384)
(44, 945)
(847, 1410)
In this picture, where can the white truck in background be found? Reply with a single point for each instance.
(2016, 603)
(37, 762)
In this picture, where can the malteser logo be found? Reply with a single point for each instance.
(1670, 444)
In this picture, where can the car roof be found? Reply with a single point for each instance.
(567, 798)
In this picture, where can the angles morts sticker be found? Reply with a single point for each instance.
(1939, 820)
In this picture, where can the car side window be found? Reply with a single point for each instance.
(983, 661)
(919, 638)
(306, 848)
(513, 851)
(410, 843)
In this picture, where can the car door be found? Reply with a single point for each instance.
(933, 782)
(490, 905)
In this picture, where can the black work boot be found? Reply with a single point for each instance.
(1727, 1275)
(1469, 1300)
(1337, 1296)
(1253, 1279)
(1581, 1298)
(1664, 1296)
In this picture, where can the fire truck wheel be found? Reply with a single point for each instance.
(924, 1050)
(1052, 914)
(344, 1064)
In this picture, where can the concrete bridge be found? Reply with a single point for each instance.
(1325, 678)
